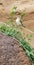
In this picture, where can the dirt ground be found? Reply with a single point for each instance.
(27, 5)
(28, 19)
(11, 52)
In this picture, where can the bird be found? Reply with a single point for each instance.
(19, 22)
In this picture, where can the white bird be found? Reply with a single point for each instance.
(18, 21)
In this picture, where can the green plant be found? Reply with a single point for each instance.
(13, 11)
(11, 31)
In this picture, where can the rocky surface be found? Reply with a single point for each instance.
(11, 52)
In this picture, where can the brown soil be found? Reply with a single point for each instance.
(27, 5)
(11, 52)
(27, 20)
